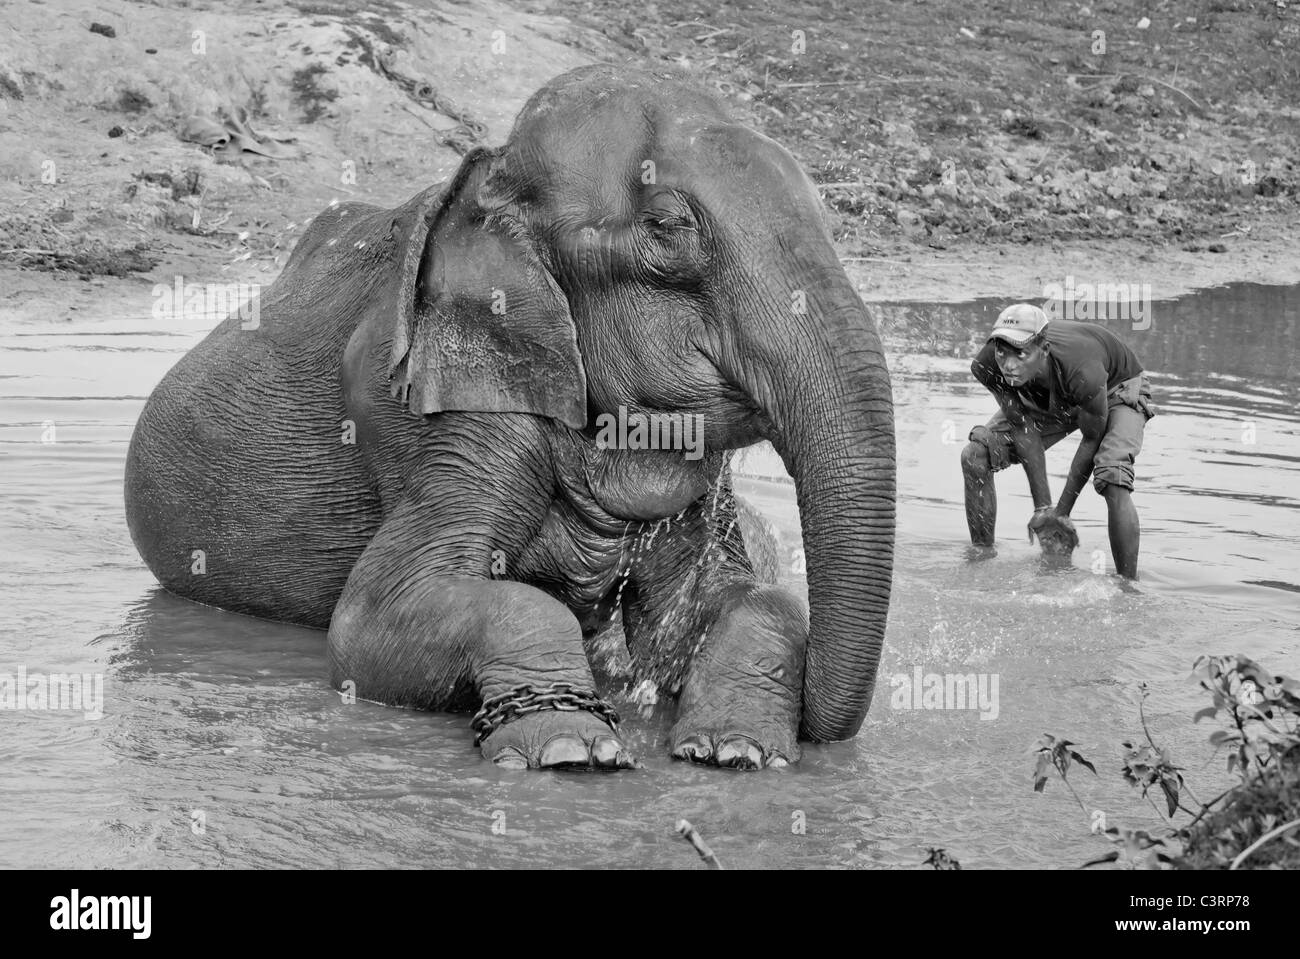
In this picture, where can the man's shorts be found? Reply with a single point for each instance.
(1130, 408)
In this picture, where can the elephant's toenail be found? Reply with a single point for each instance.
(510, 758)
(777, 762)
(696, 749)
(606, 751)
(565, 750)
(740, 753)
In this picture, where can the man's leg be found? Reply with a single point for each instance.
(981, 498)
(1112, 476)
(1124, 530)
(989, 450)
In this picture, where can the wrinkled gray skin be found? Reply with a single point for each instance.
(475, 434)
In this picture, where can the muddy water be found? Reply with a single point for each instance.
(221, 745)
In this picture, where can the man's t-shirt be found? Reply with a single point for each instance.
(1083, 358)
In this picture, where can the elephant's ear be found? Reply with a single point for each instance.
(481, 324)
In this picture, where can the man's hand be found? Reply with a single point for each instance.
(1055, 531)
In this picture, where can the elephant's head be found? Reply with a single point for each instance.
(630, 245)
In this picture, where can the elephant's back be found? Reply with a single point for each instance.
(244, 488)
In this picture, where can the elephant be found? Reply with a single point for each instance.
(407, 445)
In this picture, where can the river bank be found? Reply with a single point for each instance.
(1013, 272)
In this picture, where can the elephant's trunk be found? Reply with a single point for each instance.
(833, 426)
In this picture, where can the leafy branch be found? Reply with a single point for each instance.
(1262, 713)
(1055, 753)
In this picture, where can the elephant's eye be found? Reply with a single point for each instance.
(667, 213)
(676, 247)
(672, 222)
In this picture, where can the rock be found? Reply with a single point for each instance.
(1143, 23)
(907, 219)
(1021, 126)
(1000, 184)
(900, 134)
(103, 29)
(1217, 248)
(1269, 185)
(115, 132)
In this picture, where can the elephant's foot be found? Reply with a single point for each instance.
(554, 739)
(735, 745)
(740, 704)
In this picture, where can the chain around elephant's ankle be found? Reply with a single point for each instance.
(526, 699)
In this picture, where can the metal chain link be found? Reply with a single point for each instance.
(526, 699)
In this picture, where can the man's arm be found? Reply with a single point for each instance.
(1093, 417)
(1029, 447)
(1024, 434)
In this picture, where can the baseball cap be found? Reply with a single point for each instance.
(1018, 324)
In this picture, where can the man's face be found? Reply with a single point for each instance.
(1020, 365)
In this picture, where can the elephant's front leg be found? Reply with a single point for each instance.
(740, 702)
(742, 644)
(419, 626)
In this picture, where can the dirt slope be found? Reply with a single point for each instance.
(95, 176)
(965, 148)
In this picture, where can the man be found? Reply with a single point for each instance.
(1049, 380)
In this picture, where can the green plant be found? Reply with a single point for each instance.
(1055, 753)
(1256, 820)
(939, 859)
